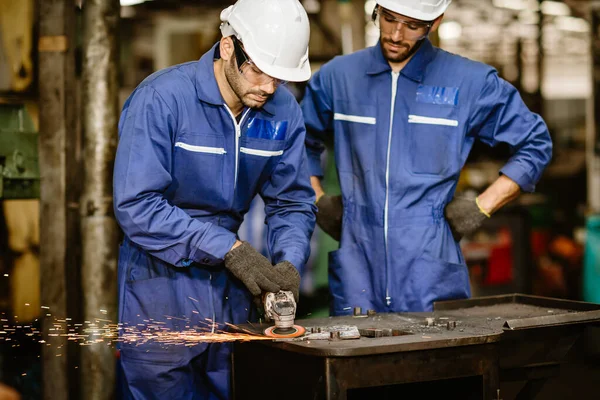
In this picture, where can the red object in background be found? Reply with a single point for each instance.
(500, 266)
(500, 263)
(540, 241)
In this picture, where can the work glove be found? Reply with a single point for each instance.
(291, 278)
(465, 216)
(329, 215)
(253, 269)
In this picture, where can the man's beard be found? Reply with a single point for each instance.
(401, 56)
(237, 81)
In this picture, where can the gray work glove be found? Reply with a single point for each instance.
(291, 277)
(464, 216)
(253, 269)
(329, 215)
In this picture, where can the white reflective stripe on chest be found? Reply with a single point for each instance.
(418, 119)
(261, 153)
(354, 118)
(201, 149)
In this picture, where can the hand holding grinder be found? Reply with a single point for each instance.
(279, 283)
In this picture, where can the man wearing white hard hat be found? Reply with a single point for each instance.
(404, 116)
(197, 142)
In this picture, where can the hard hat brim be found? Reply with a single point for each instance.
(411, 13)
(295, 74)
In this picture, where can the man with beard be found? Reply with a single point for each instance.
(404, 116)
(197, 142)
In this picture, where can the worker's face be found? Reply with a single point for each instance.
(250, 85)
(400, 35)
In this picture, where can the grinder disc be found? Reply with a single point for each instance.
(294, 331)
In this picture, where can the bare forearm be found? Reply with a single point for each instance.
(498, 194)
(315, 182)
(236, 244)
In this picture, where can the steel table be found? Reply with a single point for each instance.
(461, 350)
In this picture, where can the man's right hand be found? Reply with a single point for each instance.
(329, 215)
(253, 269)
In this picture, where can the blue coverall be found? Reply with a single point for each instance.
(186, 172)
(400, 141)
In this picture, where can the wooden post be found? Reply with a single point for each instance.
(58, 171)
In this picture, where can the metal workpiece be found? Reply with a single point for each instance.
(470, 345)
(372, 332)
(332, 332)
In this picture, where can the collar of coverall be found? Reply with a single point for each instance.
(206, 82)
(415, 68)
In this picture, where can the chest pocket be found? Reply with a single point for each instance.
(355, 128)
(433, 140)
(258, 159)
(198, 163)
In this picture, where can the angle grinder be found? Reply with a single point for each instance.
(280, 307)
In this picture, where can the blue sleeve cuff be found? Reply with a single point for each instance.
(314, 164)
(517, 173)
(213, 249)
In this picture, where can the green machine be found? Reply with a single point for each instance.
(19, 168)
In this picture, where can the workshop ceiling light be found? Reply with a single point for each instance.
(518, 5)
(312, 6)
(131, 2)
(555, 8)
(450, 30)
(572, 24)
(529, 18)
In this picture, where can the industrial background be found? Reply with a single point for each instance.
(67, 66)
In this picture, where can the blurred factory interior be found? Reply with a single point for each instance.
(67, 67)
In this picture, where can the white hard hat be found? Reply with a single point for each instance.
(275, 35)
(424, 10)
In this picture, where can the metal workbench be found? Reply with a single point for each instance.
(462, 350)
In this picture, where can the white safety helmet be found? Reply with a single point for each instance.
(275, 35)
(424, 10)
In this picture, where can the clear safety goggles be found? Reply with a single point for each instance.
(389, 24)
(249, 70)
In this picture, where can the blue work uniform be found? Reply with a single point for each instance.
(400, 141)
(186, 172)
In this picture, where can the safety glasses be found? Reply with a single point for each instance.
(249, 70)
(389, 24)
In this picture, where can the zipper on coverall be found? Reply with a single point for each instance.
(388, 299)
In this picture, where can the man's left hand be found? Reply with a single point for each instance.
(465, 216)
(291, 277)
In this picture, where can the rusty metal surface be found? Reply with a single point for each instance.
(552, 320)
(98, 227)
(516, 298)
(474, 324)
(416, 335)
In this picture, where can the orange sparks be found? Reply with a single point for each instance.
(103, 331)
